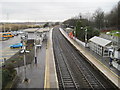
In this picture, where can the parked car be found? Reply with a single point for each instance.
(15, 33)
(17, 45)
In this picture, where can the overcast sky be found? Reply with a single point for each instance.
(50, 10)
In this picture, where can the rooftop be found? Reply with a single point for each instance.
(100, 41)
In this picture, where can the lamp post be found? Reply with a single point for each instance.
(26, 79)
(35, 46)
(24, 51)
(86, 37)
(85, 28)
(113, 47)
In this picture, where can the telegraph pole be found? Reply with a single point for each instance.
(24, 48)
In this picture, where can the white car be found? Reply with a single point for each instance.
(39, 45)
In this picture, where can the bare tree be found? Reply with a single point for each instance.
(99, 18)
(119, 15)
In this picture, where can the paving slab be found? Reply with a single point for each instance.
(51, 80)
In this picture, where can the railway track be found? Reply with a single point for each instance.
(66, 80)
(73, 68)
(85, 71)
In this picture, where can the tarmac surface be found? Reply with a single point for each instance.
(34, 72)
(6, 51)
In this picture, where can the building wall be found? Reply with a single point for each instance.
(102, 51)
(96, 48)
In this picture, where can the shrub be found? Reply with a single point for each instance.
(8, 75)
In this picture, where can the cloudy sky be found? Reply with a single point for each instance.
(50, 10)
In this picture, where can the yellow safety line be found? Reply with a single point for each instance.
(47, 75)
(54, 61)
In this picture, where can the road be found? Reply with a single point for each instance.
(5, 50)
(72, 69)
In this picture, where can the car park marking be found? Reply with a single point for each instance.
(8, 49)
(4, 49)
(1, 58)
(8, 54)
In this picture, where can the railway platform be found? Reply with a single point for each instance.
(112, 76)
(40, 74)
(50, 80)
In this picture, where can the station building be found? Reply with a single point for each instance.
(100, 46)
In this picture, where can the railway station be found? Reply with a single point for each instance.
(62, 63)
(61, 45)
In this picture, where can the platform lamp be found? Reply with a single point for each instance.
(112, 37)
(24, 51)
(35, 45)
(86, 37)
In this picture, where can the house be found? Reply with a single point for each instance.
(100, 45)
(114, 39)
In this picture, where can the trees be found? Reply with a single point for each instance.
(13, 26)
(98, 21)
(119, 15)
(78, 30)
(113, 18)
(46, 25)
(8, 74)
(80, 24)
(70, 22)
(99, 18)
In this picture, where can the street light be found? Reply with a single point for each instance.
(112, 37)
(85, 28)
(86, 37)
(24, 51)
(35, 45)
